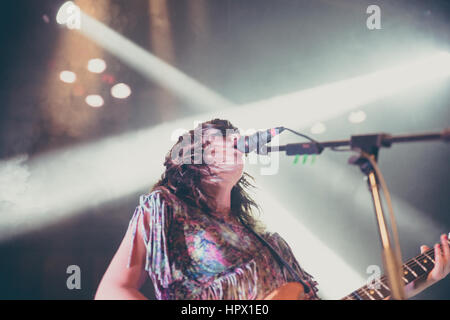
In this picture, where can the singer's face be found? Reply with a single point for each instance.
(224, 160)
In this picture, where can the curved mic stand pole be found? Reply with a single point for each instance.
(368, 147)
(391, 253)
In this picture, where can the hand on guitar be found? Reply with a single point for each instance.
(442, 260)
(440, 271)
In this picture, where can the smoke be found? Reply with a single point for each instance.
(14, 175)
(16, 201)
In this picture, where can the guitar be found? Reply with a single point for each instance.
(413, 269)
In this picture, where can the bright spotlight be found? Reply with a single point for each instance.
(68, 76)
(318, 128)
(357, 116)
(96, 65)
(152, 67)
(121, 91)
(95, 101)
(70, 15)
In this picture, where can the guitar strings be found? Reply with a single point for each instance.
(426, 255)
(361, 290)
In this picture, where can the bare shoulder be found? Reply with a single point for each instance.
(162, 197)
(161, 194)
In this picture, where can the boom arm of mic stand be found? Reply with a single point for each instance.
(379, 139)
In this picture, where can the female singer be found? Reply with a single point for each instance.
(195, 237)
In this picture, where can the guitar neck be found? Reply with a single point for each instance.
(413, 269)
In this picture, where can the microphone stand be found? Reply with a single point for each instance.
(368, 147)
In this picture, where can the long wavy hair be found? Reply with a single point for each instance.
(185, 178)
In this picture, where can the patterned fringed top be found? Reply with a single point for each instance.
(191, 255)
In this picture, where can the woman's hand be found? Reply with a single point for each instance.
(440, 271)
(442, 260)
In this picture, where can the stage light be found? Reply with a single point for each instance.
(357, 116)
(95, 101)
(69, 14)
(202, 98)
(61, 16)
(68, 76)
(96, 65)
(121, 91)
(318, 128)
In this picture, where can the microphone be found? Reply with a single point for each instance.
(247, 144)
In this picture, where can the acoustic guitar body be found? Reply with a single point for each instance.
(288, 291)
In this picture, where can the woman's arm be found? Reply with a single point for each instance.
(120, 282)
